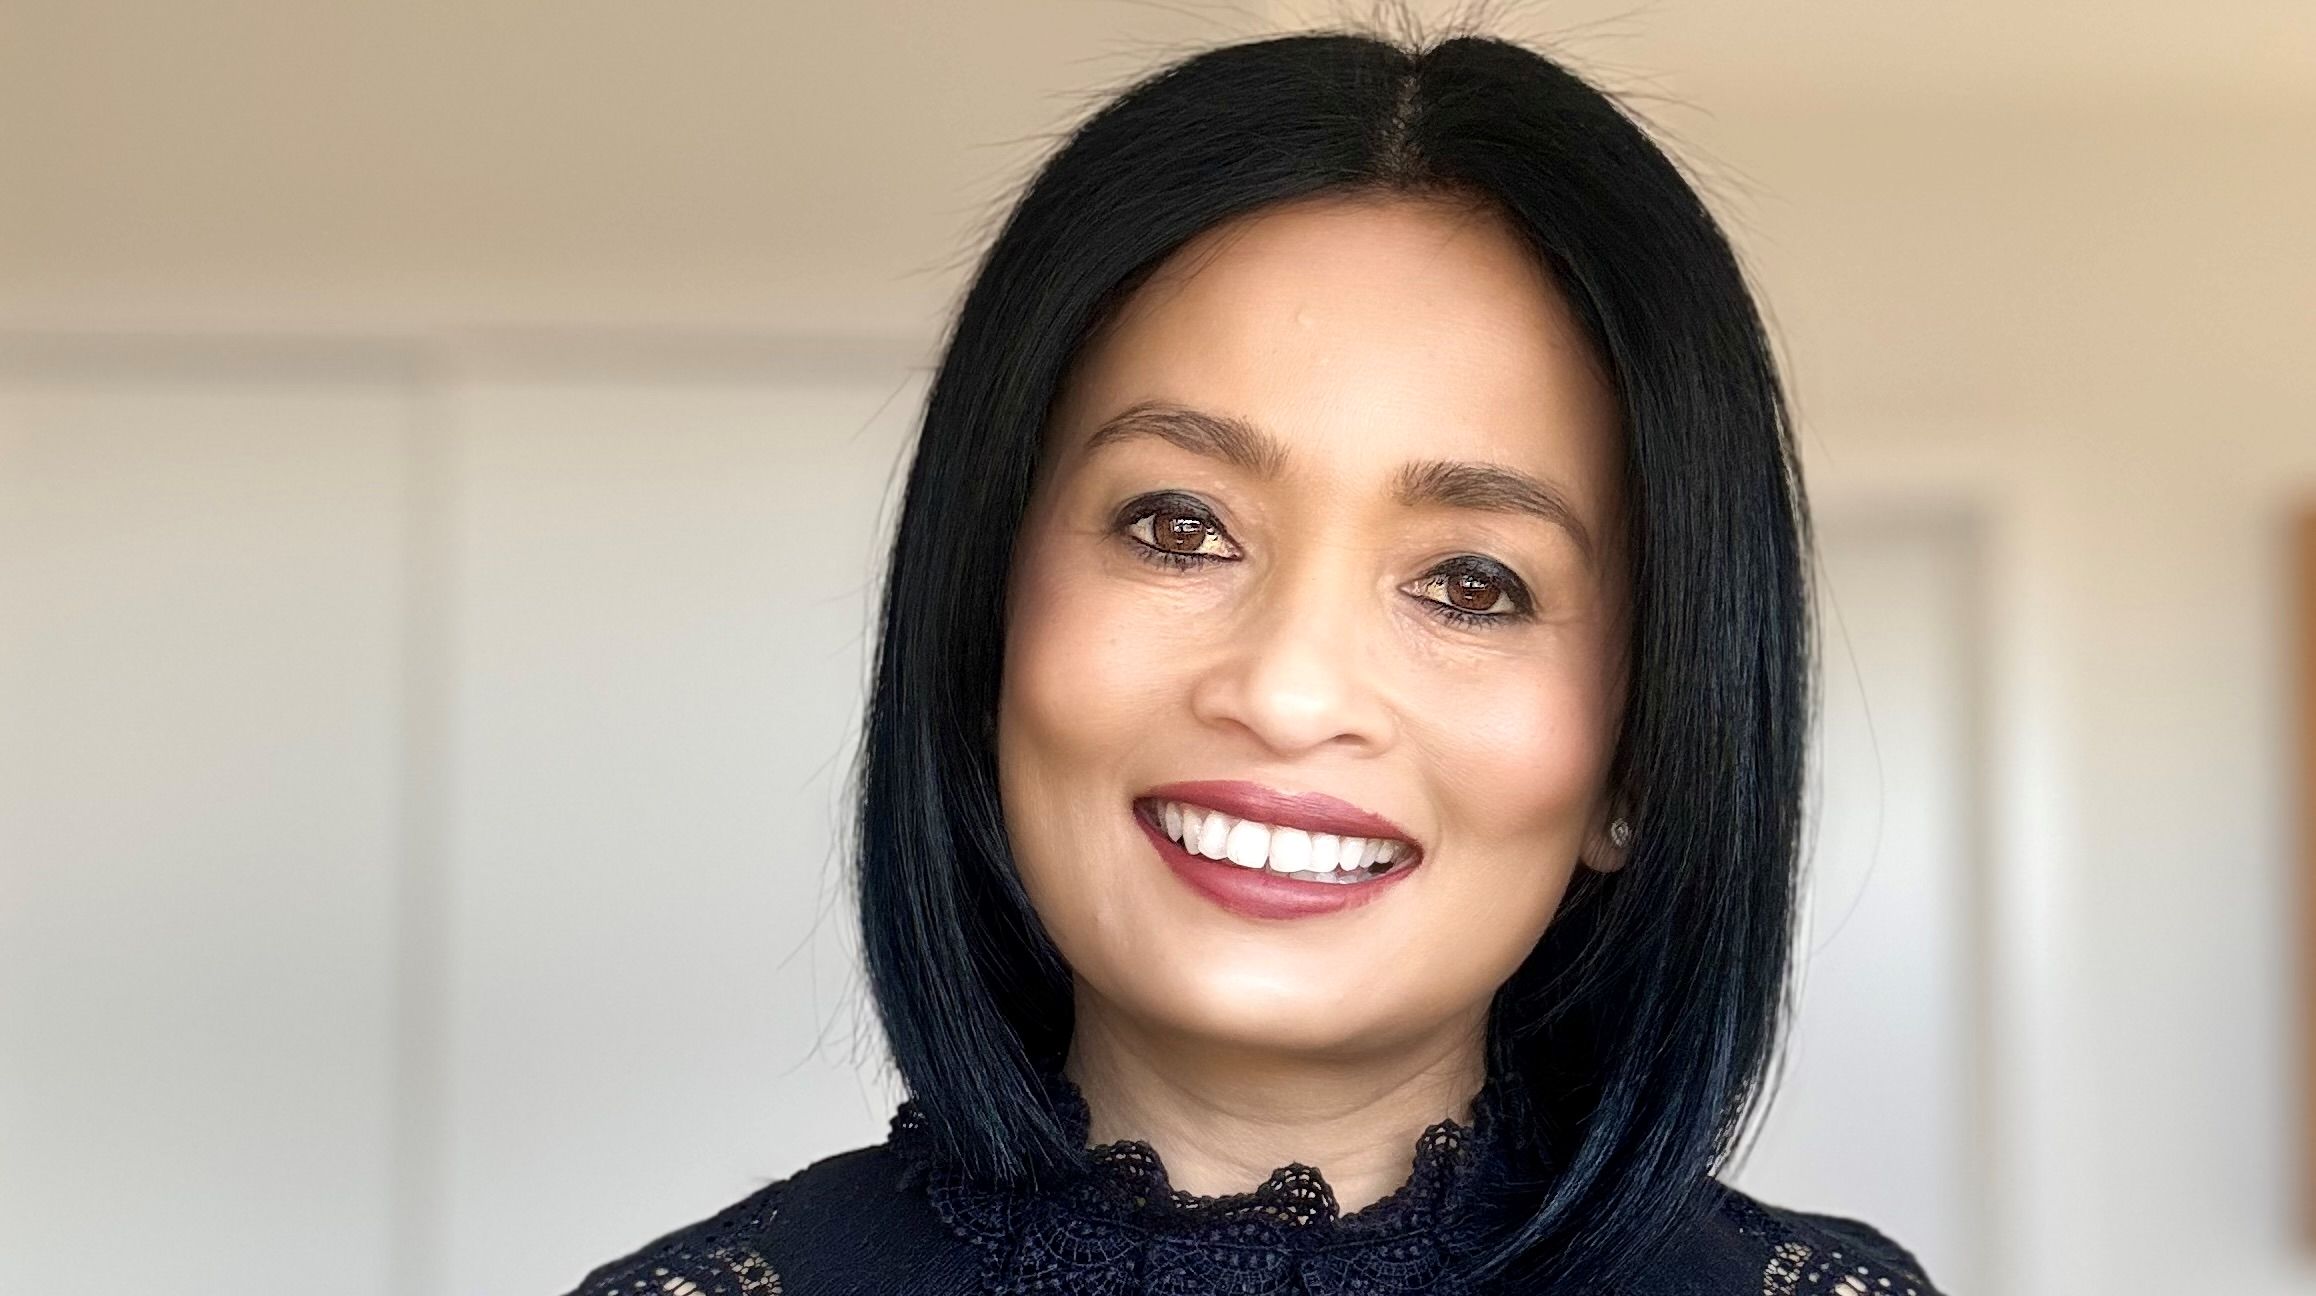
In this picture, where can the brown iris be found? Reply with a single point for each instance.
(1472, 592)
(1177, 531)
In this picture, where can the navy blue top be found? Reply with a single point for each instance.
(897, 1218)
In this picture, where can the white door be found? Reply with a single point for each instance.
(1879, 1114)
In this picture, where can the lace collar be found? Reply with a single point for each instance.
(1117, 1226)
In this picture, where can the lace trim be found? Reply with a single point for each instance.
(1802, 1263)
(1117, 1225)
(716, 1257)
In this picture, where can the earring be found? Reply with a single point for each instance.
(1620, 833)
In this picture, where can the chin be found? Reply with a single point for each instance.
(1263, 1008)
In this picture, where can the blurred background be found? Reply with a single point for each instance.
(444, 451)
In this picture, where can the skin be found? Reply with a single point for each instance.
(1357, 333)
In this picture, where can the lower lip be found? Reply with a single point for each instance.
(1260, 893)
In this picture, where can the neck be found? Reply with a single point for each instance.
(1222, 1117)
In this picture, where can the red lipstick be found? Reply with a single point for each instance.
(1261, 893)
(1310, 811)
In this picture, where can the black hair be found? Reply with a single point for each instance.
(1639, 1035)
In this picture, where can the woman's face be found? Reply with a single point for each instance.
(1325, 539)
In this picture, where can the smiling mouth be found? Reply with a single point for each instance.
(1277, 849)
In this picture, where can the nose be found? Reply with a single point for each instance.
(1301, 666)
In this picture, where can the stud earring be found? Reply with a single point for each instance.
(1620, 833)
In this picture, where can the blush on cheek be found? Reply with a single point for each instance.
(1090, 649)
(1520, 758)
(1080, 695)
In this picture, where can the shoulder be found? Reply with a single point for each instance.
(1745, 1244)
(725, 1252)
(851, 1222)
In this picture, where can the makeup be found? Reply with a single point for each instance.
(1264, 853)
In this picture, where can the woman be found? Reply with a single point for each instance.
(1332, 787)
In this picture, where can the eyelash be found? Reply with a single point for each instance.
(1150, 507)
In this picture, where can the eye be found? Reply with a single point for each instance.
(1470, 590)
(1176, 531)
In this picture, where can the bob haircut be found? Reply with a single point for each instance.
(1636, 1040)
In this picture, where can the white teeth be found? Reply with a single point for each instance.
(1290, 850)
(1212, 834)
(1249, 844)
(1323, 852)
(1252, 844)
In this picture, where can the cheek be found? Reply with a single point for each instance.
(1081, 691)
(1079, 671)
(1515, 759)
(1519, 756)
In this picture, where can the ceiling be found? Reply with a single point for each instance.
(820, 167)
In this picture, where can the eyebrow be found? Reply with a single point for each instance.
(1217, 436)
(1445, 483)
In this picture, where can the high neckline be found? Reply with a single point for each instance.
(1116, 1223)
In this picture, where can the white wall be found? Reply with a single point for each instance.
(2096, 329)
(660, 611)
(1882, 1111)
(198, 829)
(420, 784)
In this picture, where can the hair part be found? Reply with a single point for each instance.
(1636, 1040)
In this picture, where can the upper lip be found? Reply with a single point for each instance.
(1310, 811)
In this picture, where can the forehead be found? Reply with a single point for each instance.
(1374, 328)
